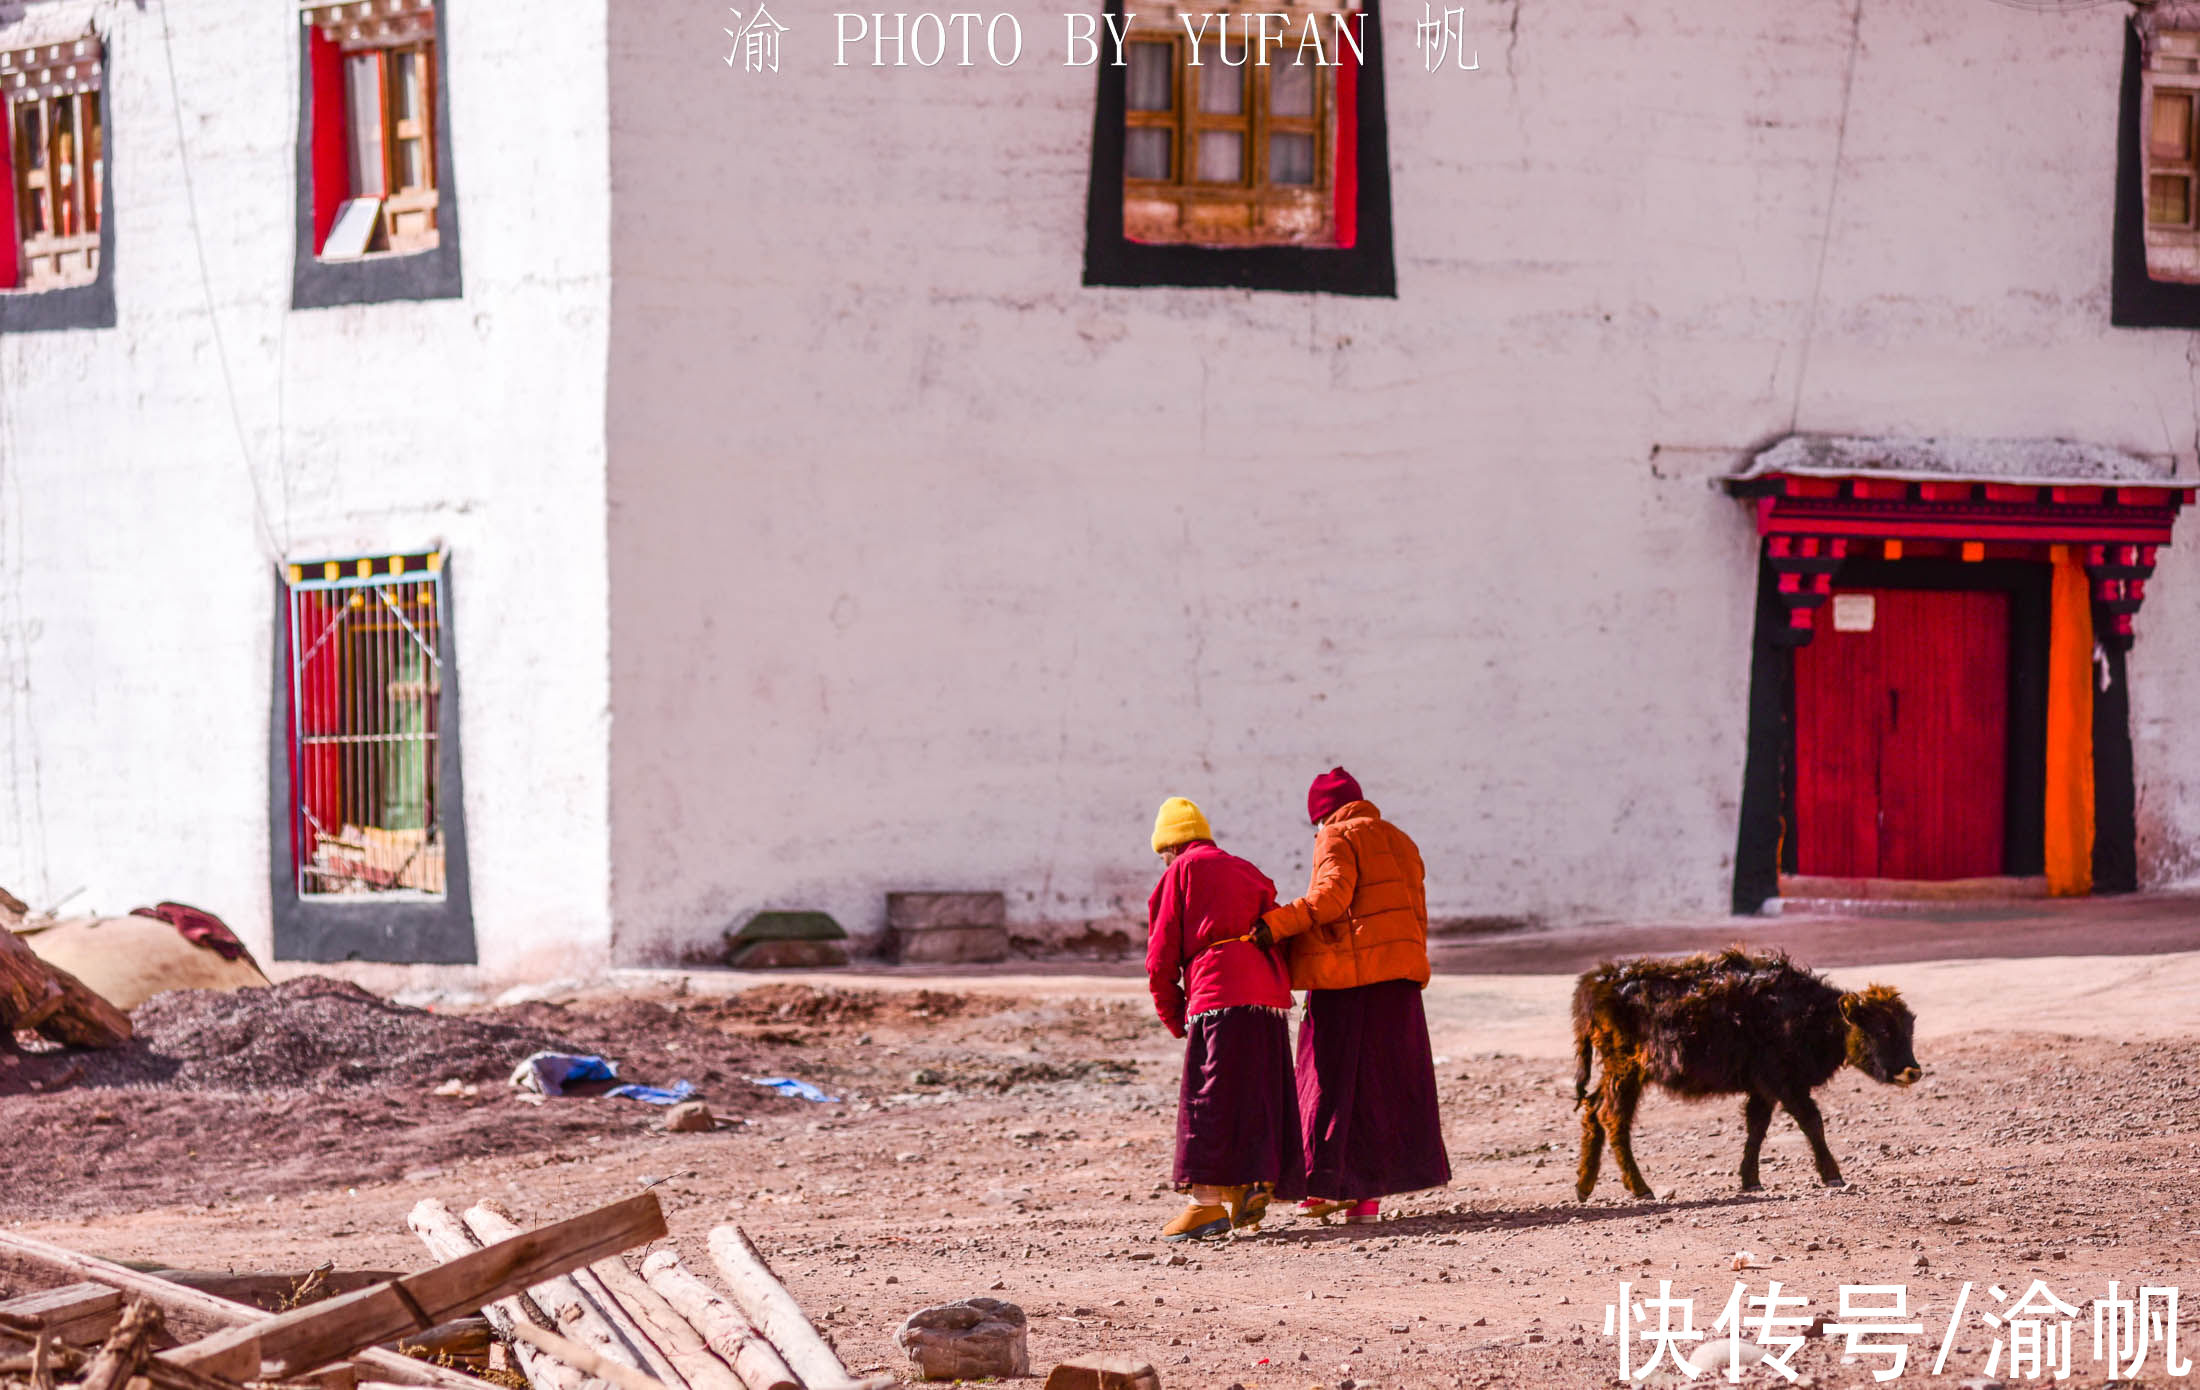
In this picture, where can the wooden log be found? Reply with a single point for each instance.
(303, 1340)
(698, 1364)
(655, 1359)
(447, 1238)
(35, 995)
(123, 1354)
(771, 1310)
(573, 1312)
(572, 1353)
(176, 1300)
(721, 1325)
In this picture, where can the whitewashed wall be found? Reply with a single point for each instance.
(136, 590)
(931, 569)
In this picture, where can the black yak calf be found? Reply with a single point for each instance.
(1726, 1024)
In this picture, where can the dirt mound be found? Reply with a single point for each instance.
(312, 1034)
(809, 1006)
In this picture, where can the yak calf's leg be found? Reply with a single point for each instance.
(1805, 1111)
(1757, 1117)
(1620, 1096)
(1592, 1144)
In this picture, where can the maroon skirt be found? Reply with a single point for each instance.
(1237, 1117)
(1367, 1093)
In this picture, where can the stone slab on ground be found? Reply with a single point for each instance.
(1103, 1373)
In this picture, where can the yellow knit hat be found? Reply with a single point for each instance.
(1179, 822)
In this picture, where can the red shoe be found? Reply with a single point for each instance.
(1364, 1214)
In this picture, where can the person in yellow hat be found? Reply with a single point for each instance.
(1227, 995)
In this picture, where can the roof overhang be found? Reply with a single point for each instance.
(1821, 498)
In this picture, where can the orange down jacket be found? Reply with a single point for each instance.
(1364, 918)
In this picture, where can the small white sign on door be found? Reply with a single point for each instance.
(1854, 612)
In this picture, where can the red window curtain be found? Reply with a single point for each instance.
(10, 233)
(331, 172)
(317, 773)
(1347, 180)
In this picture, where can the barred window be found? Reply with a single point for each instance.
(366, 668)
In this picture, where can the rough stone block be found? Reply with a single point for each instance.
(967, 1340)
(924, 911)
(1103, 1373)
(690, 1117)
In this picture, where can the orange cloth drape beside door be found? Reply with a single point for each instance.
(2069, 729)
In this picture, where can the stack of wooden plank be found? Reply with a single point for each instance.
(577, 1316)
(652, 1327)
(117, 1328)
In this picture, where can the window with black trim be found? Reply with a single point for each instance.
(1241, 150)
(55, 164)
(377, 200)
(366, 795)
(2155, 253)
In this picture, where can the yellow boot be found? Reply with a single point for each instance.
(1198, 1222)
(1248, 1205)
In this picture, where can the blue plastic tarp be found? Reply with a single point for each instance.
(798, 1090)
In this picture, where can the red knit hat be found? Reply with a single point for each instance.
(1332, 789)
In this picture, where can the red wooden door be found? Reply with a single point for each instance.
(1901, 735)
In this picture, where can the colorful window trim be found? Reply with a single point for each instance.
(1812, 522)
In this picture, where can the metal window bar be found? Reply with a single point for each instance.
(366, 671)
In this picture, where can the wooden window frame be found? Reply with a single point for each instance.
(1202, 209)
(402, 200)
(2168, 164)
(50, 258)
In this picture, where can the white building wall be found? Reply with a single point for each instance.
(155, 472)
(931, 569)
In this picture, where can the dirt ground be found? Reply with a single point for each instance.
(1011, 1136)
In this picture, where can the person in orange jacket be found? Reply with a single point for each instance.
(1358, 944)
(1237, 1120)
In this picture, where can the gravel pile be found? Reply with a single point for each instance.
(312, 1034)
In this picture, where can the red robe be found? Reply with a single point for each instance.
(1193, 963)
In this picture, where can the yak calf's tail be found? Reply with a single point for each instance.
(1581, 1066)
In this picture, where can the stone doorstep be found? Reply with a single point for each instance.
(953, 945)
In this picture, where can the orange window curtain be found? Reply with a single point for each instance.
(2070, 730)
